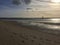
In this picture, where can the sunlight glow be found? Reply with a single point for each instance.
(55, 1)
(55, 20)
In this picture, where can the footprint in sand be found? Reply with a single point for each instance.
(14, 33)
(22, 41)
(32, 40)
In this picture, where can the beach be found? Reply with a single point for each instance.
(12, 33)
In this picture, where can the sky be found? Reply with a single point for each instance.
(7, 9)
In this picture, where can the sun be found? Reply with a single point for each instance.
(55, 1)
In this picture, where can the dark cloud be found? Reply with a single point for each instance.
(27, 1)
(18, 2)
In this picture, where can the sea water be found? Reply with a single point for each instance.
(50, 23)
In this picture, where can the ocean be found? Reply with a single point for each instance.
(48, 23)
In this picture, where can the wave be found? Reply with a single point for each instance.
(51, 23)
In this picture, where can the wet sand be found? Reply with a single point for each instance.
(12, 33)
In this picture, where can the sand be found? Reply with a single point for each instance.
(12, 33)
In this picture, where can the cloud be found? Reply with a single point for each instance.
(8, 4)
(7, 9)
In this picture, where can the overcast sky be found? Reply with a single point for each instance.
(7, 9)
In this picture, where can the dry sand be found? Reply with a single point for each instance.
(11, 33)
